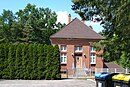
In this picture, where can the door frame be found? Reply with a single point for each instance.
(80, 59)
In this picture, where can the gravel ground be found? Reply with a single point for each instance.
(47, 83)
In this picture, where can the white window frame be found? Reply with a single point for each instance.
(92, 58)
(78, 49)
(63, 48)
(92, 49)
(63, 58)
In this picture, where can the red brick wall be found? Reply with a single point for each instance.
(86, 58)
(70, 43)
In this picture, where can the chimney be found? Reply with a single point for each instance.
(69, 18)
(82, 20)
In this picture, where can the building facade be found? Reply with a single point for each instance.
(74, 41)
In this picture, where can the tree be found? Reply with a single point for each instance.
(41, 62)
(56, 63)
(18, 62)
(5, 56)
(29, 61)
(48, 64)
(6, 21)
(11, 64)
(37, 24)
(29, 25)
(1, 59)
(34, 61)
(116, 25)
(29, 67)
(24, 61)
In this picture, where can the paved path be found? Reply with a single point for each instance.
(47, 83)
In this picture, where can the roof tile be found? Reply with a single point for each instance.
(77, 30)
(111, 65)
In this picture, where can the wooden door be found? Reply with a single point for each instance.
(78, 61)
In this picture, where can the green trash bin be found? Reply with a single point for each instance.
(118, 80)
(104, 79)
(126, 81)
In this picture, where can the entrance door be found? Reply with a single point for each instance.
(78, 61)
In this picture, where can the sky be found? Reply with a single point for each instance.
(61, 7)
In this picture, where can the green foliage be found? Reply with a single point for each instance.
(22, 55)
(41, 62)
(29, 25)
(6, 20)
(24, 60)
(5, 56)
(34, 61)
(29, 61)
(114, 15)
(49, 60)
(56, 63)
(18, 62)
(11, 58)
(1, 59)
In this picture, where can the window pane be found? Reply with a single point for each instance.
(78, 48)
(63, 48)
(63, 57)
(92, 58)
(93, 49)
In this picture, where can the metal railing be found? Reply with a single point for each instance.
(78, 73)
(88, 73)
(111, 70)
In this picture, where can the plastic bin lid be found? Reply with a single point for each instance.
(103, 75)
(119, 77)
(99, 74)
(127, 78)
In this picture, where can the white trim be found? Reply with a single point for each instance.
(63, 48)
(63, 58)
(78, 49)
(92, 58)
(92, 49)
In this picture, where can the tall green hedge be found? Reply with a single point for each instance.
(29, 61)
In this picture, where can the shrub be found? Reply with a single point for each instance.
(29, 61)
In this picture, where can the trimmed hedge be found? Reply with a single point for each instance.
(29, 61)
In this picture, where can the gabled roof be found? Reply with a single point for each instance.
(77, 30)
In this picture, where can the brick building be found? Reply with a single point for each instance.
(74, 41)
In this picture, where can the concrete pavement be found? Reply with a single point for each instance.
(47, 83)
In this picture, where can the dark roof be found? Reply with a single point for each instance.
(77, 30)
(111, 65)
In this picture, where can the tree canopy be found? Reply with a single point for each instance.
(29, 25)
(114, 16)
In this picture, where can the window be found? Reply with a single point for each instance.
(63, 58)
(63, 48)
(78, 49)
(93, 49)
(93, 58)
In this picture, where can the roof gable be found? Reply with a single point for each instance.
(77, 30)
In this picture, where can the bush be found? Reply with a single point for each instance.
(29, 61)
